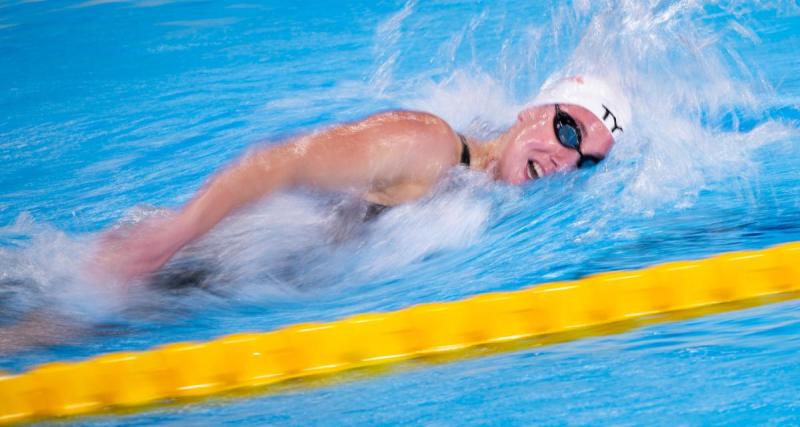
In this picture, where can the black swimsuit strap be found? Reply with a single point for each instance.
(465, 158)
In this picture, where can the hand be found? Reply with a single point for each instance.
(135, 252)
(37, 329)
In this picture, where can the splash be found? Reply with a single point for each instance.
(692, 93)
(388, 35)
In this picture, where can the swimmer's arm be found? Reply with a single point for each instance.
(385, 151)
(382, 150)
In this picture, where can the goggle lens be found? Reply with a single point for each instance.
(569, 135)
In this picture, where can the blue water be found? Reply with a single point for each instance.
(112, 110)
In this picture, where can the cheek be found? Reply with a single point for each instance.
(530, 140)
(508, 160)
(566, 159)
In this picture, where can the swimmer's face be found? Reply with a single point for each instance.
(532, 149)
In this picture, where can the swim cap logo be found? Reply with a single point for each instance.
(604, 99)
(609, 113)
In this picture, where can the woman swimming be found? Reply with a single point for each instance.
(386, 159)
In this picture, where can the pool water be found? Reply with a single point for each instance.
(113, 110)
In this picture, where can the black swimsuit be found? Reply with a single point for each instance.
(375, 209)
(465, 158)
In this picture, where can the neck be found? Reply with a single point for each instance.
(485, 155)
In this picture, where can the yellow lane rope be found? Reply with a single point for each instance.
(239, 361)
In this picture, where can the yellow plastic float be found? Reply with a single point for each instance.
(239, 361)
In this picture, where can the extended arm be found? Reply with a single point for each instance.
(374, 155)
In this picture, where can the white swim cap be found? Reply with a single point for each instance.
(605, 101)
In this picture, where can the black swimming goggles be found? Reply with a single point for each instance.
(569, 135)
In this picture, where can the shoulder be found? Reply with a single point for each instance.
(421, 129)
(414, 120)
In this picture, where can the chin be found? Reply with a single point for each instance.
(512, 180)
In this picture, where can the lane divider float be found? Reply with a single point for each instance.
(244, 360)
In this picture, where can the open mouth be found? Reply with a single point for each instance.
(534, 170)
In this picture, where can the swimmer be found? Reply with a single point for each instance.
(386, 159)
